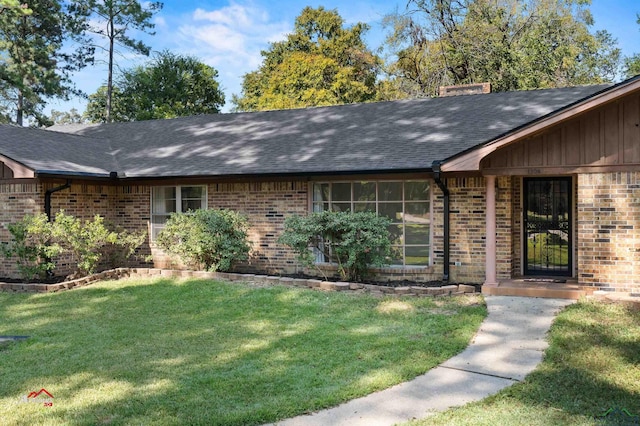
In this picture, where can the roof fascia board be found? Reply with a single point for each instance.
(279, 176)
(20, 171)
(470, 161)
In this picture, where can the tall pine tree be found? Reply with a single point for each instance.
(115, 18)
(35, 66)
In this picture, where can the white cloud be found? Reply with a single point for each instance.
(229, 38)
(159, 21)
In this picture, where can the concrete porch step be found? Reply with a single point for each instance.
(546, 288)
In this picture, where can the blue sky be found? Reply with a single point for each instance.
(229, 35)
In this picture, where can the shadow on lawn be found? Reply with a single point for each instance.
(592, 367)
(178, 370)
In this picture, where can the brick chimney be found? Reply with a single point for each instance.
(464, 89)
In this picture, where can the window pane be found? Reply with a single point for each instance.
(321, 192)
(396, 256)
(417, 234)
(192, 192)
(417, 255)
(416, 191)
(169, 207)
(390, 191)
(391, 210)
(364, 207)
(319, 207)
(364, 191)
(165, 192)
(164, 200)
(191, 205)
(341, 192)
(395, 234)
(341, 207)
(417, 213)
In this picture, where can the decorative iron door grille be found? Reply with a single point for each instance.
(547, 226)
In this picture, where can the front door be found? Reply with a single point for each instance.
(547, 226)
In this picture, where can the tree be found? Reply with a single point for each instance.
(15, 5)
(168, 86)
(35, 66)
(513, 44)
(116, 18)
(320, 63)
(67, 117)
(632, 63)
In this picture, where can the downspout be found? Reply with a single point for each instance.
(437, 176)
(47, 209)
(47, 197)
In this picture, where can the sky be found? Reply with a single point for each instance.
(229, 35)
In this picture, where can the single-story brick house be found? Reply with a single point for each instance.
(481, 188)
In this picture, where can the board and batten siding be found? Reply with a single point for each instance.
(607, 138)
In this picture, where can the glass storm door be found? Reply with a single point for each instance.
(547, 226)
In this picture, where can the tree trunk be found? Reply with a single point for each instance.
(20, 109)
(111, 35)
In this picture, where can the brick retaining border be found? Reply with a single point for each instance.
(116, 274)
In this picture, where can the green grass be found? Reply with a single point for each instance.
(163, 351)
(547, 251)
(591, 366)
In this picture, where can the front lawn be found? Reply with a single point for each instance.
(590, 376)
(163, 351)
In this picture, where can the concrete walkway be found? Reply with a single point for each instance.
(508, 346)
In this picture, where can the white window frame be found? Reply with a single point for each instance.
(155, 226)
(313, 203)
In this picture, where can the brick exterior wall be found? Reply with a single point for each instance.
(607, 239)
(266, 205)
(16, 201)
(609, 230)
(467, 206)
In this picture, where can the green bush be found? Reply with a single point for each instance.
(32, 245)
(86, 240)
(211, 239)
(36, 241)
(354, 241)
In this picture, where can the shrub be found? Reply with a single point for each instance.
(355, 241)
(32, 245)
(85, 240)
(211, 239)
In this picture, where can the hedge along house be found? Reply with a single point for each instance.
(481, 188)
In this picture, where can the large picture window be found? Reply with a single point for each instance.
(174, 199)
(406, 203)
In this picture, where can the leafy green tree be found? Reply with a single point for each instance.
(116, 19)
(320, 63)
(66, 117)
(96, 111)
(168, 86)
(513, 44)
(34, 65)
(15, 5)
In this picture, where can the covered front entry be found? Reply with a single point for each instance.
(547, 220)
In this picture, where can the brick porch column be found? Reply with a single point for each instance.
(490, 247)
